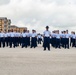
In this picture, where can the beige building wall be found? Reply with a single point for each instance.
(4, 24)
(15, 28)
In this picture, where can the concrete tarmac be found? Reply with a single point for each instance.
(18, 61)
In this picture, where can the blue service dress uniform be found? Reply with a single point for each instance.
(63, 38)
(74, 40)
(46, 43)
(12, 39)
(58, 40)
(53, 39)
(33, 40)
(24, 39)
(2, 38)
(28, 38)
(6, 39)
(39, 38)
(67, 36)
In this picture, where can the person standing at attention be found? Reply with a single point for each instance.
(46, 35)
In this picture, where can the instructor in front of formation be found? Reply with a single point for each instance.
(46, 35)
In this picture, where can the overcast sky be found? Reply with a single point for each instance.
(36, 14)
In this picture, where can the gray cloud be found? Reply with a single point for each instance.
(3, 2)
(58, 14)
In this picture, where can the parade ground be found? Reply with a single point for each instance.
(22, 61)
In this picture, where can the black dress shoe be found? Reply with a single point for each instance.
(48, 49)
(44, 49)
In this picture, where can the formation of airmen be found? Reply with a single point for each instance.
(26, 39)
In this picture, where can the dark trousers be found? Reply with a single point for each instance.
(63, 40)
(73, 45)
(46, 43)
(58, 43)
(54, 42)
(12, 41)
(28, 41)
(15, 43)
(67, 43)
(24, 42)
(20, 40)
(33, 42)
(71, 41)
(2, 42)
(50, 40)
(36, 42)
(39, 40)
(75, 42)
(6, 41)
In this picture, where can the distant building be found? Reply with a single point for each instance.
(9, 24)
(5, 24)
(17, 28)
(22, 28)
(13, 27)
